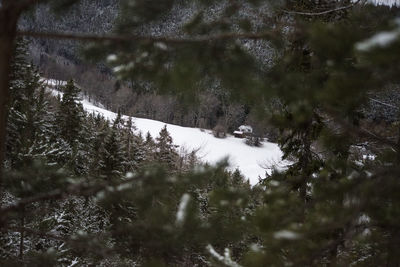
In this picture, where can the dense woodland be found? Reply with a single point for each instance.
(64, 59)
(321, 78)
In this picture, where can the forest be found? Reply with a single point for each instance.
(319, 79)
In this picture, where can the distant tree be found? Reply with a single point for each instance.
(102, 129)
(149, 139)
(113, 160)
(70, 114)
(165, 149)
(139, 152)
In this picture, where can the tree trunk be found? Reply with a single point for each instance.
(8, 25)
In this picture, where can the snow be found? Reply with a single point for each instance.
(161, 46)
(52, 83)
(286, 234)
(390, 3)
(74, 262)
(112, 58)
(226, 259)
(253, 162)
(181, 214)
(245, 129)
(381, 39)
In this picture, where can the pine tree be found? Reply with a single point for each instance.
(166, 150)
(113, 161)
(72, 138)
(133, 146)
(29, 119)
(81, 150)
(70, 114)
(149, 140)
(100, 131)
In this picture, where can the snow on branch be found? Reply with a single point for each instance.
(226, 259)
(182, 210)
(381, 39)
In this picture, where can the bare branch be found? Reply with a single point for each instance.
(151, 39)
(358, 131)
(383, 103)
(323, 12)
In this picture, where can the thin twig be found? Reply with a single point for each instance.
(323, 12)
(383, 103)
(151, 39)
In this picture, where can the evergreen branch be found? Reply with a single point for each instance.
(103, 251)
(152, 39)
(323, 12)
(359, 131)
(33, 232)
(82, 189)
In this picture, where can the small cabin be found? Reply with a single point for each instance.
(246, 129)
(238, 134)
(243, 131)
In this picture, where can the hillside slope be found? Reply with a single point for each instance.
(253, 162)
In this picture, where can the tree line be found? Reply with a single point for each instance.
(335, 204)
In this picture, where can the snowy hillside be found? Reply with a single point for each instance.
(253, 162)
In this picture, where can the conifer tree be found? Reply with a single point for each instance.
(149, 145)
(70, 114)
(72, 133)
(113, 161)
(166, 150)
(129, 142)
(100, 131)
(28, 122)
(138, 152)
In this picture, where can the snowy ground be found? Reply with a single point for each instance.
(253, 162)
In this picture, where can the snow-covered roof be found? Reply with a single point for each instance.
(237, 132)
(246, 128)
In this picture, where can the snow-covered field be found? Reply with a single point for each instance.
(253, 162)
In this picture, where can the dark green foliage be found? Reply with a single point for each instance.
(77, 149)
(165, 150)
(28, 121)
(330, 206)
(70, 114)
(112, 159)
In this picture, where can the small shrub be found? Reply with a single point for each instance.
(253, 141)
(219, 131)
